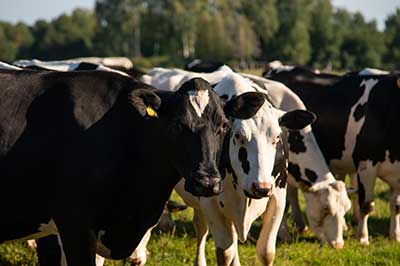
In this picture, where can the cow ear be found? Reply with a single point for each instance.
(145, 101)
(297, 119)
(245, 105)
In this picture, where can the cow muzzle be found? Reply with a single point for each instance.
(204, 187)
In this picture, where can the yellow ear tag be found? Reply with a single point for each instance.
(151, 112)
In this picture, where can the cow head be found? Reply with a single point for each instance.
(195, 127)
(326, 207)
(326, 199)
(253, 142)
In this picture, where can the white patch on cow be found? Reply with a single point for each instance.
(199, 100)
(345, 164)
(373, 71)
(8, 66)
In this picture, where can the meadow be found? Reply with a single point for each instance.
(179, 247)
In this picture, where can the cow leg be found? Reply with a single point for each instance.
(283, 232)
(297, 216)
(272, 218)
(223, 232)
(356, 206)
(201, 227)
(366, 184)
(77, 241)
(394, 233)
(48, 251)
(139, 256)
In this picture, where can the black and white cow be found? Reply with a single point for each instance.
(86, 133)
(358, 135)
(121, 64)
(327, 201)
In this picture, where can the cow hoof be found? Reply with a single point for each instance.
(337, 245)
(364, 242)
(136, 262)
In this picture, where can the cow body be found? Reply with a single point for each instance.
(85, 133)
(357, 135)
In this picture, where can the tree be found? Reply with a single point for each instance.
(392, 35)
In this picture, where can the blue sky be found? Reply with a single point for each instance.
(29, 11)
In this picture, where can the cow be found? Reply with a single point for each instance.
(320, 189)
(358, 136)
(121, 64)
(84, 144)
(327, 201)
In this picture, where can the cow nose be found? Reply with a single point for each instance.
(337, 245)
(261, 189)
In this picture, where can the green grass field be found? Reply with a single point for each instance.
(178, 248)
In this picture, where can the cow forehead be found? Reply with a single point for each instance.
(199, 100)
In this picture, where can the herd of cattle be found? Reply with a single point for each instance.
(100, 146)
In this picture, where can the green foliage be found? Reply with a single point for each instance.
(309, 32)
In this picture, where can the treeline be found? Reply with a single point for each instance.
(309, 32)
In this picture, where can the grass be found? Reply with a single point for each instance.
(179, 248)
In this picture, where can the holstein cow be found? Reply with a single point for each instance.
(248, 164)
(327, 201)
(86, 133)
(357, 133)
(121, 64)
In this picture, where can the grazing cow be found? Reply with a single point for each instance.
(357, 133)
(87, 133)
(249, 185)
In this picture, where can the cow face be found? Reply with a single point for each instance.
(253, 142)
(326, 209)
(195, 127)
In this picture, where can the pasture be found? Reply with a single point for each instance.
(178, 248)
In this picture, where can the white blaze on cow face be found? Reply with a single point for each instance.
(345, 164)
(253, 141)
(199, 100)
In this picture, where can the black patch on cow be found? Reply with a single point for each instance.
(221, 204)
(360, 191)
(281, 158)
(86, 66)
(296, 143)
(312, 176)
(294, 170)
(243, 160)
(359, 112)
(248, 204)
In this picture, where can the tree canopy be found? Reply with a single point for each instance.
(310, 32)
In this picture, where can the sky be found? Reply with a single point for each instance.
(29, 11)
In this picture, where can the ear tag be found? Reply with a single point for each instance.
(151, 112)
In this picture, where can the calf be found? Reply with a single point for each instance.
(87, 132)
(357, 135)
